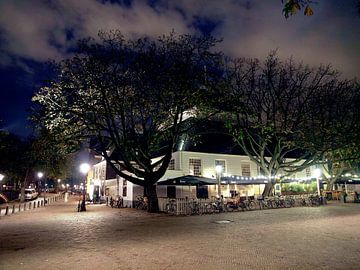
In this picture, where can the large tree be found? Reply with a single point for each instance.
(336, 115)
(273, 118)
(131, 97)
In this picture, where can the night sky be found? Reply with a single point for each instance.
(34, 31)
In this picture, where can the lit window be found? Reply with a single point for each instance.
(245, 170)
(171, 165)
(195, 167)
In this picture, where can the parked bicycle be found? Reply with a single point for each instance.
(141, 203)
(216, 206)
(247, 204)
(193, 208)
(117, 203)
(265, 203)
(171, 207)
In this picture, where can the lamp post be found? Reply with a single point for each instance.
(1, 178)
(84, 169)
(58, 185)
(317, 174)
(218, 170)
(40, 175)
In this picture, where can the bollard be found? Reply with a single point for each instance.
(13, 210)
(38, 204)
(34, 205)
(6, 210)
(19, 207)
(29, 206)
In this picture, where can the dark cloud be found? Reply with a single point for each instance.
(39, 30)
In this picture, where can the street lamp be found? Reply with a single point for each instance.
(40, 175)
(1, 178)
(84, 169)
(218, 170)
(317, 174)
(58, 185)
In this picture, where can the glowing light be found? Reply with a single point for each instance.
(84, 168)
(218, 169)
(317, 173)
(40, 174)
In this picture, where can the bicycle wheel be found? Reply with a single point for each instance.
(209, 208)
(287, 203)
(252, 205)
(273, 204)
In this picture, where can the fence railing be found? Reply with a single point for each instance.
(13, 208)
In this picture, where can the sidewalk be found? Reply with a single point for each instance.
(15, 207)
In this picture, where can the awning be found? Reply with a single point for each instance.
(188, 180)
(247, 181)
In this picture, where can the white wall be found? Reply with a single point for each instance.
(181, 162)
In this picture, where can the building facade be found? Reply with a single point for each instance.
(106, 183)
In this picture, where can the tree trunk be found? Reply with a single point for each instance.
(152, 199)
(328, 185)
(268, 190)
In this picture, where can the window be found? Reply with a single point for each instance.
(195, 166)
(102, 175)
(307, 172)
(202, 192)
(245, 170)
(171, 192)
(124, 188)
(222, 163)
(171, 165)
(233, 193)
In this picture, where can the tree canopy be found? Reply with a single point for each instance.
(281, 114)
(132, 98)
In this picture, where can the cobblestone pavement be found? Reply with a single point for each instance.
(58, 237)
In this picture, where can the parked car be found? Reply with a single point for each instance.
(30, 194)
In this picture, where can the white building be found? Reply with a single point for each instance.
(188, 163)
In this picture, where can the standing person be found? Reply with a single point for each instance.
(356, 197)
(344, 196)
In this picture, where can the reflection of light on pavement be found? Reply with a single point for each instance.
(66, 197)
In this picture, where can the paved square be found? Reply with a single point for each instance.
(58, 237)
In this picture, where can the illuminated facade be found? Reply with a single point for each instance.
(236, 167)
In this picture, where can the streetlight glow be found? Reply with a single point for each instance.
(1, 176)
(317, 173)
(40, 174)
(218, 169)
(84, 168)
